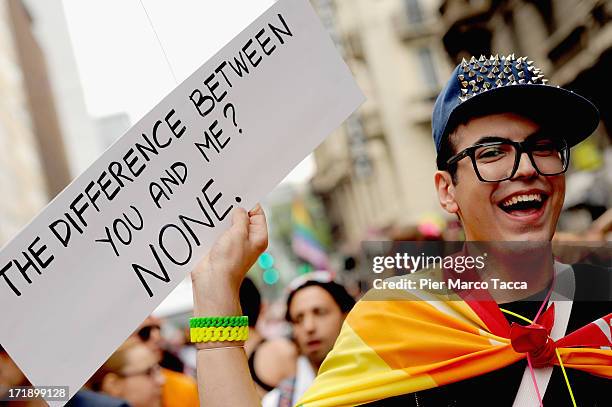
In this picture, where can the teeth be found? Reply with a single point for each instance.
(522, 198)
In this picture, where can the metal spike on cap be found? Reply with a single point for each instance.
(544, 81)
(530, 68)
(464, 92)
(487, 62)
(499, 83)
(462, 99)
(507, 70)
(491, 75)
(471, 73)
(483, 69)
(519, 65)
(487, 85)
(511, 78)
(479, 79)
(472, 82)
(501, 76)
(529, 62)
(463, 62)
(464, 84)
(461, 77)
(466, 68)
(521, 74)
(482, 58)
(473, 60)
(495, 69)
(521, 81)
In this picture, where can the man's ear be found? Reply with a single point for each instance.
(446, 191)
(111, 385)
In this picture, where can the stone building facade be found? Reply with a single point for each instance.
(375, 174)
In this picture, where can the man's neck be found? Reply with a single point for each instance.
(529, 262)
(315, 365)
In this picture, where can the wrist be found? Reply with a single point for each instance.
(213, 297)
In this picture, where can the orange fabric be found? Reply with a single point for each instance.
(179, 390)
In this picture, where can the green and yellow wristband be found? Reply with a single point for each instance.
(219, 329)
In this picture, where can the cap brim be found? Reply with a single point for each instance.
(556, 108)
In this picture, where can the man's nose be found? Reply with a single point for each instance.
(309, 323)
(525, 167)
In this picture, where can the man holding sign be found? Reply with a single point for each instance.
(501, 160)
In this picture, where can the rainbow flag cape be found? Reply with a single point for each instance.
(395, 343)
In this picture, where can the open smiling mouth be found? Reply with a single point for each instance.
(524, 204)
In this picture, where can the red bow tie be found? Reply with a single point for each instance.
(535, 339)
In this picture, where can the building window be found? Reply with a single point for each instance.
(414, 11)
(428, 69)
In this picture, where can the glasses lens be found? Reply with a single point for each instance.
(495, 161)
(550, 157)
(145, 333)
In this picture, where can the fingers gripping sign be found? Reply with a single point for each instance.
(232, 254)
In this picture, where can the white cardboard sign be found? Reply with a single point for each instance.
(106, 251)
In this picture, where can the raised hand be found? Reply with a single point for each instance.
(221, 272)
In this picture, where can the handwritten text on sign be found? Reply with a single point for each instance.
(84, 273)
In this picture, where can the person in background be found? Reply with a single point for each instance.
(131, 373)
(179, 390)
(316, 308)
(11, 376)
(270, 361)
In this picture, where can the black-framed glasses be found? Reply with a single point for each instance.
(144, 333)
(151, 371)
(496, 161)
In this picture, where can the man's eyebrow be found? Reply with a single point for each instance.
(489, 139)
(537, 135)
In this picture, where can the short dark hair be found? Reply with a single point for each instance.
(341, 297)
(447, 150)
(250, 300)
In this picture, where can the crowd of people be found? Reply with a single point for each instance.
(149, 370)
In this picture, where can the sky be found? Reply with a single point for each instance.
(122, 65)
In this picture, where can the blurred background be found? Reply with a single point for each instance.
(74, 76)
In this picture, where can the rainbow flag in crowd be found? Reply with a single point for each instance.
(304, 241)
(395, 343)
